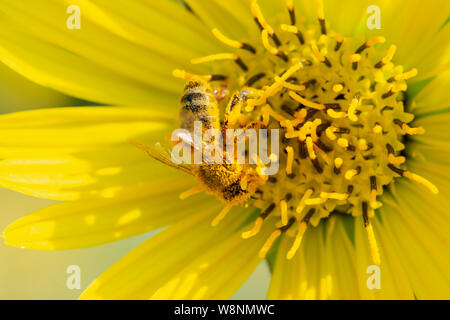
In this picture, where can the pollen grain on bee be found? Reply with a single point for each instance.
(214, 146)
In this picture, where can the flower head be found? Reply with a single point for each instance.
(356, 149)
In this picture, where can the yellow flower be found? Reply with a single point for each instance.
(358, 109)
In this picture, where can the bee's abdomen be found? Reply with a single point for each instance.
(194, 101)
(198, 104)
(233, 191)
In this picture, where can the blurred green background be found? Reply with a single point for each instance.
(28, 274)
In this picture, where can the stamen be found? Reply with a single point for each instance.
(256, 228)
(319, 55)
(373, 192)
(313, 105)
(232, 43)
(315, 201)
(259, 18)
(349, 174)
(302, 203)
(342, 142)
(221, 215)
(268, 244)
(352, 110)
(375, 252)
(370, 43)
(272, 50)
(304, 130)
(377, 129)
(336, 115)
(387, 58)
(362, 144)
(330, 133)
(290, 7)
(427, 184)
(252, 80)
(274, 114)
(278, 83)
(387, 94)
(338, 88)
(181, 74)
(321, 16)
(354, 59)
(300, 232)
(399, 87)
(314, 126)
(294, 30)
(194, 190)
(334, 195)
(221, 56)
(309, 146)
(289, 160)
(317, 165)
(407, 129)
(258, 222)
(337, 165)
(412, 131)
(404, 76)
(284, 213)
(325, 149)
(292, 86)
(215, 57)
(396, 160)
(374, 204)
(339, 40)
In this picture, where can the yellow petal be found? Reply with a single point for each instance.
(394, 284)
(103, 46)
(124, 53)
(434, 97)
(190, 244)
(104, 173)
(69, 73)
(75, 129)
(17, 93)
(71, 153)
(321, 269)
(80, 224)
(434, 144)
(415, 28)
(419, 253)
(231, 17)
(218, 273)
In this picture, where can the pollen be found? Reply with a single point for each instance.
(339, 104)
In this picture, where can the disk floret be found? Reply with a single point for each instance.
(339, 104)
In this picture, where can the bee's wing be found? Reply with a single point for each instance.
(161, 154)
(188, 139)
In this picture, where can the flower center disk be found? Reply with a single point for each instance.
(339, 105)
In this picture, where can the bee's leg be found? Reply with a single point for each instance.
(233, 111)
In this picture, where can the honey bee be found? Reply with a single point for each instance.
(232, 183)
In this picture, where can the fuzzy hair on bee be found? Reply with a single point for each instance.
(198, 103)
